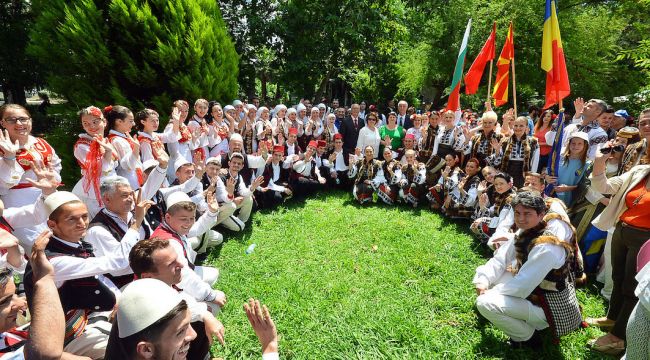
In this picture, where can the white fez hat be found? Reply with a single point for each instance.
(176, 197)
(180, 162)
(142, 303)
(57, 199)
(236, 136)
(213, 159)
(149, 164)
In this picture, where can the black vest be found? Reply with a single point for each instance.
(76, 294)
(245, 172)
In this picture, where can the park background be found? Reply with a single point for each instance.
(395, 291)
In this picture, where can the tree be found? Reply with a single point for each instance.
(17, 71)
(134, 52)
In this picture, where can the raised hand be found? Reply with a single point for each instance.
(46, 179)
(230, 185)
(579, 104)
(41, 266)
(105, 146)
(199, 167)
(332, 158)
(135, 144)
(482, 186)
(495, 144)
(213, 328)
(162, 157)
(141, 207)
(7, 240)
(257, 182)
(8, 148)
(211, 199)
(483, 201)
(488, 106)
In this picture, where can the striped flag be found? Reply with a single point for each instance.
(500, 93)
(453, 103)
(557, 77)
(475, 72)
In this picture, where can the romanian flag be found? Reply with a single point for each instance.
(500, 93)
(557, 78)
(475, 72)
(453, 103)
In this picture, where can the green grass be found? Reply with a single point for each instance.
(333, 297)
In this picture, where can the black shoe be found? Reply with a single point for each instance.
(535, 342)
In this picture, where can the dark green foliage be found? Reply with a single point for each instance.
(135, 52)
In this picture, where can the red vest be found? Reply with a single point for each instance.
(164, 232)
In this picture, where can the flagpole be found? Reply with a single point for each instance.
(490, 81)
(514, 86)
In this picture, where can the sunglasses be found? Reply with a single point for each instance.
(617, 148)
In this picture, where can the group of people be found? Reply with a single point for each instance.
(150, 204)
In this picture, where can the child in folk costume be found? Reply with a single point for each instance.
(147, 123)
(449, 179)
(387, 186)
(516, 154)
(246, 128)
(263, 128)
(461, 201)
(450, 137)
(489, 214)
(120, 121)
(96, 158)
(220, 130)
(412, 182)
(364, 171)
(275, 187)
(18, 150)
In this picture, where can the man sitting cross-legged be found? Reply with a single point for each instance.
(527, 286)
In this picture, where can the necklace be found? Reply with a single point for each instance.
(645, 191)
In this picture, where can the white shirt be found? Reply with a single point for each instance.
(541, 260)
(369, 137)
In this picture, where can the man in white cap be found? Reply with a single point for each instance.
(181, 229)
(190, 175)
(251, 162)
(152, 321)
(231, 188)
(155, 258)
(85, 285)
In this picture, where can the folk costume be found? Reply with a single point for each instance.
(516, 157)
(361, 171)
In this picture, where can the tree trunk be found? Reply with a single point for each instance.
(14, 94)
(322, 87)
(263, 79)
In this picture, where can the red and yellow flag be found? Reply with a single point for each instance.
(557, 77)
(500, 93)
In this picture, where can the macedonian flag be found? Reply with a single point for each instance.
(500, 93)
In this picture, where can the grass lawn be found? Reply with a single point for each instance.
(334, 295)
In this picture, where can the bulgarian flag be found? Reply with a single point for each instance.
(453, 103)
(557, 78)
(475, 72)
(500, 93)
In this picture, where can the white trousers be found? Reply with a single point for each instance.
(210, 276)
(238, 222)
(515, 316)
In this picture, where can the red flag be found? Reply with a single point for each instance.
(500, 93)
(475, 73)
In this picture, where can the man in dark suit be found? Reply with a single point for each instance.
(403, 119)
(349, 130)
